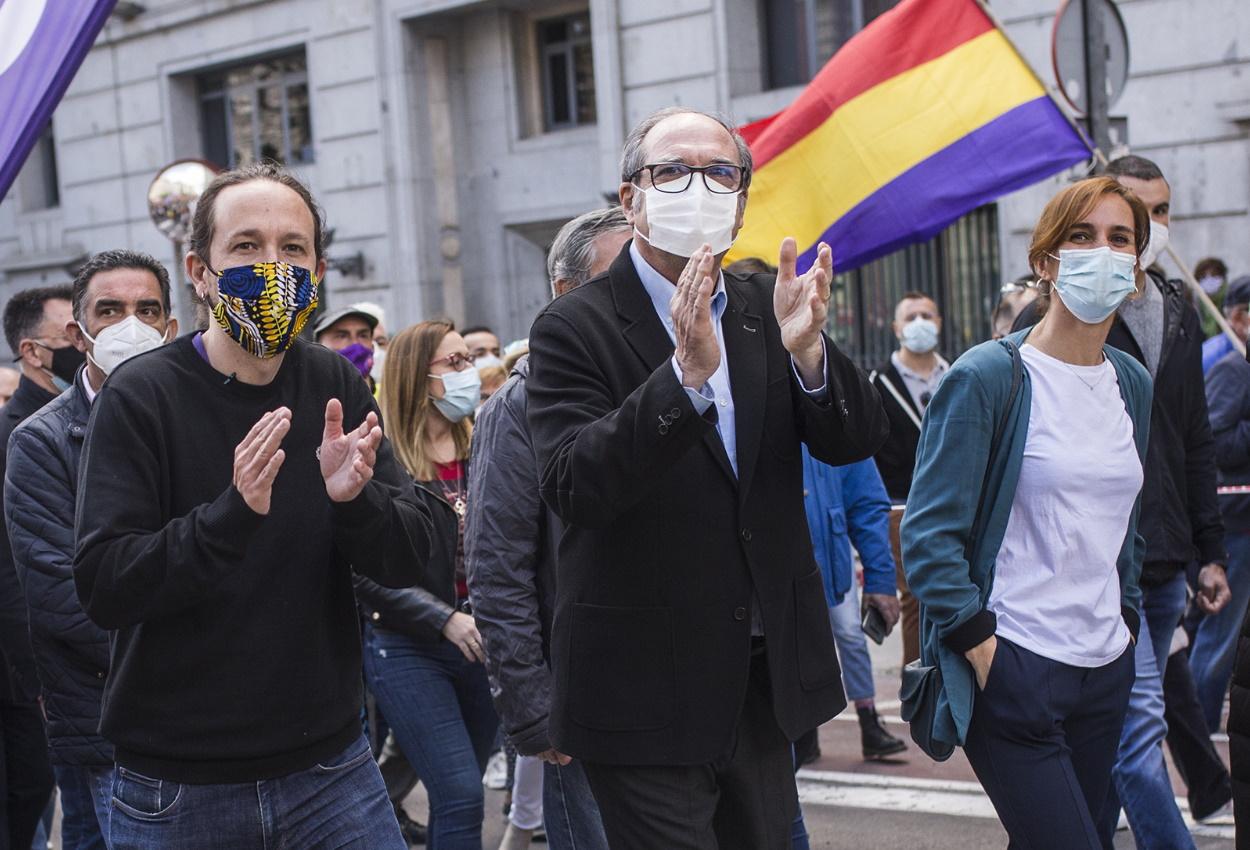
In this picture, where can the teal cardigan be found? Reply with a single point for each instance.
(950, 542)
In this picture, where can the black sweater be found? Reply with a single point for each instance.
(237, 650)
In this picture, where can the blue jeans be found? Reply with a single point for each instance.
(86, 796)
(439, 708)
(1215, 641)
(340, 803)
(1141, 778)
(570, 813)
(848, 636)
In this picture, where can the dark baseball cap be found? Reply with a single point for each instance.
(1238, 293)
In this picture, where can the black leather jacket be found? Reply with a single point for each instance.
(417, 612)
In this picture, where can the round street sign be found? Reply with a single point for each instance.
(1067, 51)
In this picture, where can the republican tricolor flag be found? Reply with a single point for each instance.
(42, 43)
(923, 116)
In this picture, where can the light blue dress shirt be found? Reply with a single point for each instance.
(718, 390)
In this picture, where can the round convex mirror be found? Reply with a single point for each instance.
(174, 192)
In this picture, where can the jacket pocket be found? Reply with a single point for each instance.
(622, 673)
(818, 659)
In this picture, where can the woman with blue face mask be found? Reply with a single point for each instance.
(1020, 539)
(424, 658)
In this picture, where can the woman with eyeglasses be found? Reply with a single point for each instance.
(424, 659)
(1020, 539)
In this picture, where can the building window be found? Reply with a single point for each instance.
(567, 71)
(959, 268)
(256, 111)
(801, 35)
(40, 187)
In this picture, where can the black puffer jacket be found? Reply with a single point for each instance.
(1180, 517)
(18, 681)
(71, 652)
(416, 612)
(510, 552)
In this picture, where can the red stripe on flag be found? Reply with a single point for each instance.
(910, 34)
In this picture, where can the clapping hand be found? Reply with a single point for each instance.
(258, 458)
(347, 459)
(801, 303)
(698, 354)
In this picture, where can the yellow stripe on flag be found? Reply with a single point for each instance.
(879, 135)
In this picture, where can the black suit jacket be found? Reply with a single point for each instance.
(896, 461)
(664, 549)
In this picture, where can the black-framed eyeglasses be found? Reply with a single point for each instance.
(674, 177)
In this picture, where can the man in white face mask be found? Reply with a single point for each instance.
(667, 404)
(906, 383)
(121, 308)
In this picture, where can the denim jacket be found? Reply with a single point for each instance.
(848, 504)
(958, 509)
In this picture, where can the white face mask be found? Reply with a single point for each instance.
(486, 361)
(117, 343)
(379, 358)
(920, 336)
(1156, 246)
(679, 223)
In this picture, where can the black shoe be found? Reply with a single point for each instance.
(413, 832)
(877, 743)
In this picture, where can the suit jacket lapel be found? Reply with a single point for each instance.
(745, 355)
(642, 328)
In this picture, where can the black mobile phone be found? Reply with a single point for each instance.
(874, 624)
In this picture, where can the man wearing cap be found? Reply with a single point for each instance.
(349, 331)
(1228, 401)
(1214, 349)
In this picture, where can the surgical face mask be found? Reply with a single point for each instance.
(485, 361)
(264, 306)
(379, 359)
(462, 391)
(360, 356)
(1093, 282)
(679, 223)
(1211, 284)
(920, 336)
(117, 343)
(1156, 246)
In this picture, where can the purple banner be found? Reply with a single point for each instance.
(42, 44)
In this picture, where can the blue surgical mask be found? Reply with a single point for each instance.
(1093, 282)
(462, 392)
(920, 336)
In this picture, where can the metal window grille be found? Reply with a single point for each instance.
(959, 268)
(257, 110)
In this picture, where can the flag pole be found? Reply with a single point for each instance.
(1186, 274)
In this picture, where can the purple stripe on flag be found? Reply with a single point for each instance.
(32, 86)
(1020, 147)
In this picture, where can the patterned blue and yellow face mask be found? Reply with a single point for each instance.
(264, 306)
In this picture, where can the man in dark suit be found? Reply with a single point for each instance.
(668, 402)
(906, 382)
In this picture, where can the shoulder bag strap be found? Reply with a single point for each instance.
(893, 390)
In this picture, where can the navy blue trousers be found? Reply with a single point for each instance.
(1043, 741)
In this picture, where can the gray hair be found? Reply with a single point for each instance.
(573, 251)
(634, 157)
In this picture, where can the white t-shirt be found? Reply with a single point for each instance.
(1056, 588)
